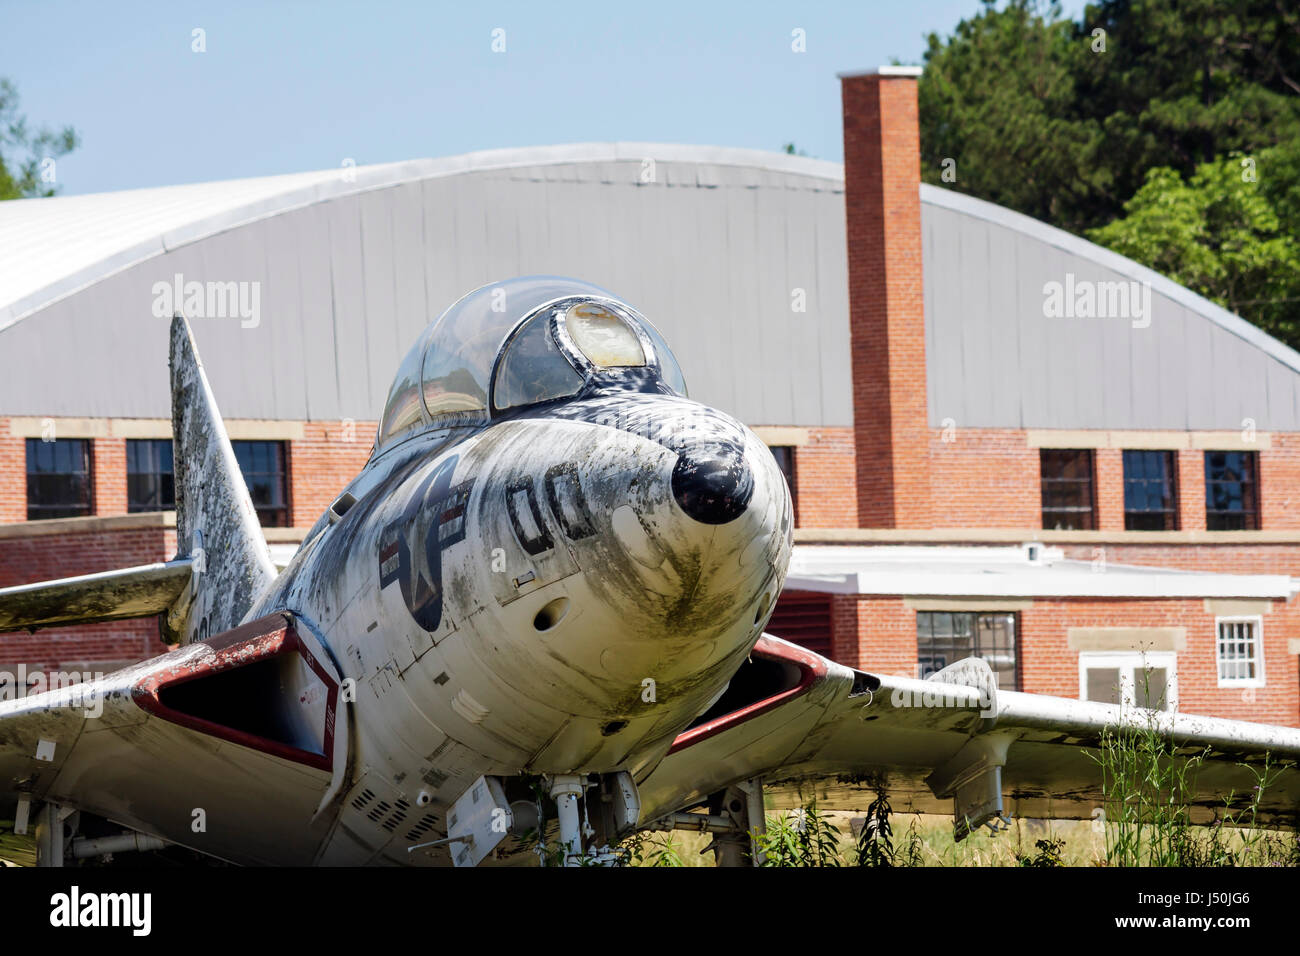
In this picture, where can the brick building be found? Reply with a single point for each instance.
(1001, 439)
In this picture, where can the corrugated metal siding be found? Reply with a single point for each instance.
(804, 618)
(710, 252)
(994, 360)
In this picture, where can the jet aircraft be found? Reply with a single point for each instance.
(529, 628)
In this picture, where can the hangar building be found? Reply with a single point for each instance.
(1002, 440)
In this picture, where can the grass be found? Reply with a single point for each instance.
(16, 850)
(927, 840)
(1147, 788)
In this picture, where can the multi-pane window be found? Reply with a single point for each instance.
(1238, 651)
(1150, 491)
(1232, 491)
(150, 479)
(1131, 678)
(784, 455)
(263, 466)
(58, 478)
(945, 637)
(1069, 499)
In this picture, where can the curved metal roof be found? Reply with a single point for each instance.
(55, 246)
(347, 267)
(738, 256)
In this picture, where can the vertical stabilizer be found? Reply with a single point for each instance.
(216, 524)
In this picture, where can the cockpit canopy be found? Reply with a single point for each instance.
(517, 343)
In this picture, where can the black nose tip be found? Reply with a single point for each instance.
(712, 483)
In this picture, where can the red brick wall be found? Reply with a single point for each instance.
(42, 557)
(1191, 490)
(878, 634)
(882, 175)
(1220, 558)
(824, 476)
(989, 478)
(1108, 486)
(1279, 482)
(1048, 666)
(108, 461)
(983, 478)
(329, 455)
(874, 634)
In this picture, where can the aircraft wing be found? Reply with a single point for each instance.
(233, 746)
(108, 596)
(954, 743)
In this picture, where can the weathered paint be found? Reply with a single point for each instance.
(107, 596)
(430, 595)
(214, 513)
(497, 600)
(833, 730)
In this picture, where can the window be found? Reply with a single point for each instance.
(262, 463)
(150, 482)
(945, 637)
(1238, 649)
(1231, 491)
(1068, 495)
(1150, 491)
(58, 478)
(784, 455)
(606, 340)
(1131, 678)
(532, 369)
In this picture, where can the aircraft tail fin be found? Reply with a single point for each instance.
(216, 524)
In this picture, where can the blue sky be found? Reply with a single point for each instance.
(292, 86)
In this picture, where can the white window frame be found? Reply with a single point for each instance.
(1125, 662)
(1256, 681)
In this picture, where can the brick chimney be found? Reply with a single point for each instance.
(882, 178)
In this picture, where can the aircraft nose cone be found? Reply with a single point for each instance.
(712, 483)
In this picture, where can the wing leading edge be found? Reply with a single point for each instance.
(107, 596)
(956, 744)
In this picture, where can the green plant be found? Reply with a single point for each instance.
(647, 849)
(804, 837)
(875, 842)
(1147, 789)
(1048, 855)
(913, 846)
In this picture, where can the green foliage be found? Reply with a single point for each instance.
(1131, 124)
(1219, 234)
(800, 838)
(1147, 786)
(22, 150)
(1049, 854)
(999, 97)
(1146, 795)
(647, 849)
(876, 841)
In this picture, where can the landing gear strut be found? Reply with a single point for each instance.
(566, 789)
(735, 818)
